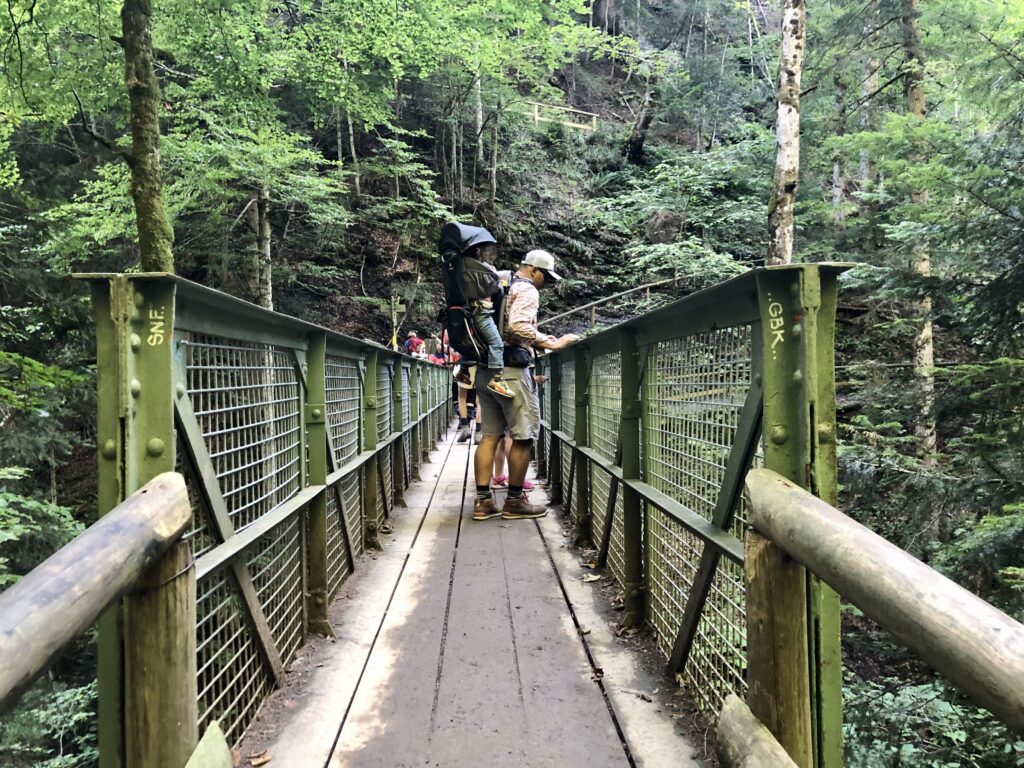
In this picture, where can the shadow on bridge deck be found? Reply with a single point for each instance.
(460, 645)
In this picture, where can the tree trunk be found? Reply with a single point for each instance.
(478, 93)
(257, 216)
(866, 171)
(924, 350)
(838, 167)
(634, 149)
(787, 135)
(155, 233)
(352, 150)
(494, 160)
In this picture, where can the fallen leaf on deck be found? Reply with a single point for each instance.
(596, 673)
(590, 564)
(591, 577)
(261, 758)
(643, 697)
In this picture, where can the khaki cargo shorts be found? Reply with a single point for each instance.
(521, 414)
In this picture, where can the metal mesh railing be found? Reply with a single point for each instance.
(605, 406)
(567, 414)
(694, 389)
(234, 678)
(385, 404)
(246, 399)
(278, 517)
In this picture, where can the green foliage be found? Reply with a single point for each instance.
(889, 724)
(30, 528)
(52, 727)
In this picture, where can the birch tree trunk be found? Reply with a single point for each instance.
(787, 135)
(838, 166)
(478, 94)
(257, 216)
(920, 264)
(155, 233)
(866, 171)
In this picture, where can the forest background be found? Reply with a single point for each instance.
(311, 150)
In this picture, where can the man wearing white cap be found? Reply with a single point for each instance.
(520, 415)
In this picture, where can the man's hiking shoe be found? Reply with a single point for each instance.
(464, 433)
(499, 387)
(520, 508)
(485, 509)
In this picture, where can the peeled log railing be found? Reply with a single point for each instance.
(975, 645)
(134, 552)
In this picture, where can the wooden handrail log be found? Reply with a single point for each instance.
(743, 741)
(63, 596)
(976, 646)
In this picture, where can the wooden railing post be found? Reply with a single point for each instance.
(794, 664)
(134, 317)
(316, 429)
(632, 506)
(161, 693)
(371, 488)
(581, 493)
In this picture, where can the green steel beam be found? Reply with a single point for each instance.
(798, 323)
(315, 421)
(135, 433)
(581, 492)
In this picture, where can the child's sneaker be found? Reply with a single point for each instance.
(500, 481)
(499, 387)
(527, 485)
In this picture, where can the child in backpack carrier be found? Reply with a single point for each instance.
(481, 283)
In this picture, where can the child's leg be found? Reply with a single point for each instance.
(488, 331)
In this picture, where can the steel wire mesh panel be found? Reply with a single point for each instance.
(605, 399)
(694, 391)
(344, 404)
(275, 563)
(337, 559)
(234, 678)
(246, 397)
(567, 414)
(719, 657)
(384, 421)
(199, 535)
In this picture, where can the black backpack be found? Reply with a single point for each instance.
(464, 279)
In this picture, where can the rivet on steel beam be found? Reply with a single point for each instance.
(135, 341)
(109, 450)
(139, 299)
(778, 434)
(317, 413)
(136, 315)
(155, 447)
(824, 433)
(794, 288)
(798, 329)
(757, 379)
(179, 390)
(798, 377)
(136, 387)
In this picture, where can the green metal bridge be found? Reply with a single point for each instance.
(253, 466)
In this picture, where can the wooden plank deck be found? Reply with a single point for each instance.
(456, 647)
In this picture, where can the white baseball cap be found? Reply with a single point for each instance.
(543, 261)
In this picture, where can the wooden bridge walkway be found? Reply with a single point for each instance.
(469, 644)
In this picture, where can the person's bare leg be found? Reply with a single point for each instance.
(518, 461)
(500, 452)
(483, 459)
(463, 408)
